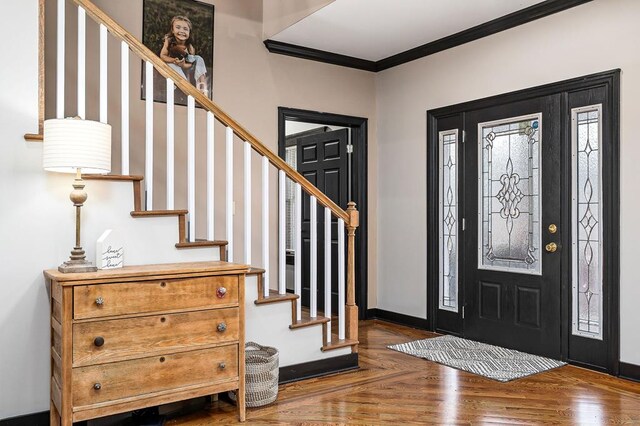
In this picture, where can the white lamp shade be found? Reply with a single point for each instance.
(71, 144)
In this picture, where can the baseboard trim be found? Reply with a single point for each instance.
(321, 367)
(629, 371)
(397, 318)
(33, 419)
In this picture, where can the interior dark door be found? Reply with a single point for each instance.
(512, 192)
(322, 159)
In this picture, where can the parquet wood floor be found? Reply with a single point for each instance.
(393, 388)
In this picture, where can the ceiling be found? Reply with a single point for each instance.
(376, 29)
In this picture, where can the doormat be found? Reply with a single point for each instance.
(490, 361)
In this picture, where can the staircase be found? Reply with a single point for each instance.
(273, 316)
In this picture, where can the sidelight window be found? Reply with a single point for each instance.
(448, 201)
(586, 136)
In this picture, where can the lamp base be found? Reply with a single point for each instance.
(75, 266)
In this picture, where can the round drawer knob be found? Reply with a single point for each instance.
(222, 327)
(97, 386)
(222, 365)
(100, 301)
(221, 292)
(98, 341)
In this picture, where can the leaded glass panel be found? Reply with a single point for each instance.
(509, 195)
(448, 200)
(587, 221)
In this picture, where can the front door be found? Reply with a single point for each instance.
(523, 220)
(512, 210)
(322, 158)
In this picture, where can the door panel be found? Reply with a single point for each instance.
(512, 285)
(322, 159)
(450, 292)
(589, 344)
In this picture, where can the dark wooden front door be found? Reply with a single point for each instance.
(523, 241)
(322, 159)
(512, 210)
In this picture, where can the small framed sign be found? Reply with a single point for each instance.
(109, 251)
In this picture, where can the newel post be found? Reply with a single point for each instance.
(351, 308)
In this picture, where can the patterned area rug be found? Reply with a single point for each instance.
(489, 361)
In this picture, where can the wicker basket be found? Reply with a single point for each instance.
(262, 368)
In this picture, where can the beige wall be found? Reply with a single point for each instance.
(249, 84)
(593, 37)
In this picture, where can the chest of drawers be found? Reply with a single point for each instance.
(142, 336)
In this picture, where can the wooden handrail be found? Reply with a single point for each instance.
(146, 54)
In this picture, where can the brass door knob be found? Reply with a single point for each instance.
(553, 228)
(551, 247)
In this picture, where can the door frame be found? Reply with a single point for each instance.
(359, 182)
(610, 80)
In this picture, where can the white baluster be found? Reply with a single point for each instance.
(341, 281)
(327, 269)
(210, 176)
(265, 224)
(124, 112)
(170, 145)
(313, 258)
(148, 164)
(82, 55)
(229, 192)
(60, 58)
(103, 74)
(247, 203)
(191, 166)
(297, 261)
(282, 236)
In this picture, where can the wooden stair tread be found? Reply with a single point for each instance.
(338, 343)
(113, 177)
(201, 243)
(275, 297)
(152, 213)
(308, 322)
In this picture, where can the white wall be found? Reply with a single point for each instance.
(29, 234)
(597, 36)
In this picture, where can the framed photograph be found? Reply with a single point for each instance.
(180, 32)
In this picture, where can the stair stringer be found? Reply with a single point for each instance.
(268, 325)
(146, 240)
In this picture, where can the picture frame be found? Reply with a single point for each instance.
(181, 33)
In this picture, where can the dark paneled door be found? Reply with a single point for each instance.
(322, 159)
(513, 231)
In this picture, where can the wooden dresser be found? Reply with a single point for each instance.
(141, 336)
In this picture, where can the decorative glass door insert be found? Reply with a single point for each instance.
(586, 131)
(509, 237)
(448, 205)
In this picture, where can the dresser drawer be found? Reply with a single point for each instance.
(124, 379)
(118, 339)
(101, 300)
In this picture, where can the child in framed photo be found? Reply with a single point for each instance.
(178, 51)
(181, 32)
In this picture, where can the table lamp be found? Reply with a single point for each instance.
(74, 145)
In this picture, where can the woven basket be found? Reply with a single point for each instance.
(262, 368)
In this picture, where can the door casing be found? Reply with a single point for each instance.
(610, 80)
(359, 179)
